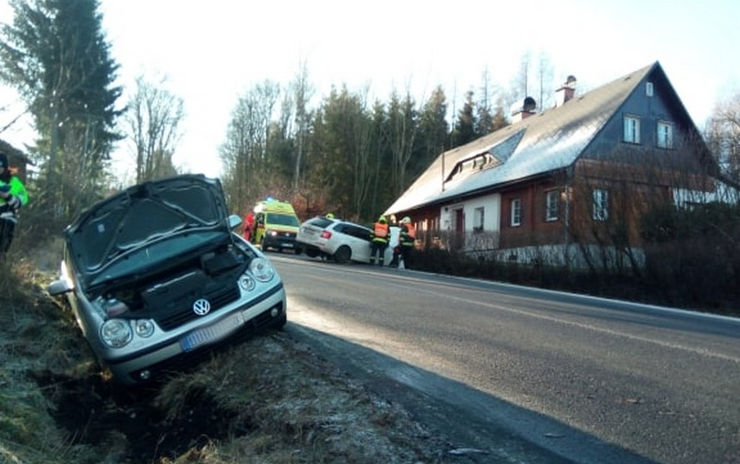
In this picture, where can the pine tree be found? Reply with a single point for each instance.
(56, 56)
(434, 131)
(464, 130)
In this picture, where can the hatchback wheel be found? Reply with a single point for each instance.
(343, 254)
(311, 253)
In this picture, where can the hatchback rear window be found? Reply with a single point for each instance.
(320, 222)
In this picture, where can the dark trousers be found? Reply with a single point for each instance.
(406, 252)
(379, 249)
(6, 234)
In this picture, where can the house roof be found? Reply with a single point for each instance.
(542, 143)
(13, 152)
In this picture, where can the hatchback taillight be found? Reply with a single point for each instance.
(326, 234)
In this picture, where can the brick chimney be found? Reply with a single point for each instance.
(566, 92)
(523, 109)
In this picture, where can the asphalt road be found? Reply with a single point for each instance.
(526, 375)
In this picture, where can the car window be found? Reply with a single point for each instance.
(357, 232)
(320, 222)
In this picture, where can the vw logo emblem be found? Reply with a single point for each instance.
(201, 307)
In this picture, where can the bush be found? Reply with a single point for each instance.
(693, 257)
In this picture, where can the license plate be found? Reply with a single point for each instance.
(211, 333)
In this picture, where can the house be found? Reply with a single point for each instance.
(566, 185)
(18, 160)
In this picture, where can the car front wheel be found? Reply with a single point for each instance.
(343, 254)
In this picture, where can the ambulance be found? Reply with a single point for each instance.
(276, 226)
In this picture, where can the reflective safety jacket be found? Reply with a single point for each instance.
(16, 188)
(405, 238)
(412, 230)
(381, 231)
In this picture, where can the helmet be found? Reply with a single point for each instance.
(405, 220)
(330, 216)
(382, 219)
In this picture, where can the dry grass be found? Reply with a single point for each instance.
(268, 400)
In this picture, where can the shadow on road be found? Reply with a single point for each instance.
(470, 419)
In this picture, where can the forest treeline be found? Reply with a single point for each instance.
(348, 155)
(346, 152)
(343, 152)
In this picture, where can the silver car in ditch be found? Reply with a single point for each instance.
(155, 276)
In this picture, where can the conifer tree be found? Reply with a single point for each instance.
(56, 56)
(464, 130)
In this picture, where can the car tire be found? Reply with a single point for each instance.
(343, 254)
(311, 253)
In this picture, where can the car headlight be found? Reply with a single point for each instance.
(116, 333)
(261, 269)
(272, 233)
(247, 283)
(144, 328)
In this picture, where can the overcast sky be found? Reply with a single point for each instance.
(213, 51)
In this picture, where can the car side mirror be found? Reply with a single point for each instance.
(234, 221)
(59, 287)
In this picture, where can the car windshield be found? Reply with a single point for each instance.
(282, 220)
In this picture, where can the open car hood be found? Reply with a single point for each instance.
(144, 214)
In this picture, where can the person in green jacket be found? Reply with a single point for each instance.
(12, 197)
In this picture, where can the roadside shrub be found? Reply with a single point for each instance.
(693, 256)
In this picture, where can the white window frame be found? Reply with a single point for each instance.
(478, 217)
(600, 205)
(516, 212)
(552, 205)
(665, 135)
(631, 129)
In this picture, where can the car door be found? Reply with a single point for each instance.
(360, 238)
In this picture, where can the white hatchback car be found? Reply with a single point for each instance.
(343, 241)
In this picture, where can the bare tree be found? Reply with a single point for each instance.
(154, 119)
(614, 191)
(723, 136)
(522, 79)
(244, 152)
(403, 128)
(302, 93)
(545, 81)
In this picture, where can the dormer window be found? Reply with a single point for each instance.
(477, 162)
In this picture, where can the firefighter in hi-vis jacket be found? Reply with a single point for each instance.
(406, 241)
(381, 234)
